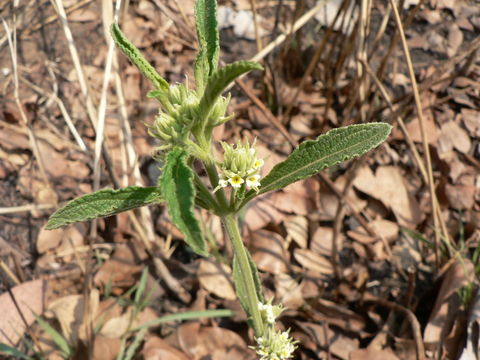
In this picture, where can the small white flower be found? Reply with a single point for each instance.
(236, 181)
(258, 163)
(252, 181)
(222, 183)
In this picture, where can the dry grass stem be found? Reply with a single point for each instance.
(418, 105)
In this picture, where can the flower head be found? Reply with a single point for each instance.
(275, 345)
(240, 165)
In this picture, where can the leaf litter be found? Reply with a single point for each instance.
(384, 237)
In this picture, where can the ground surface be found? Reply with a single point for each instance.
(376, 275)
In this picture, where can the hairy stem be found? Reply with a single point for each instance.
(231, 225)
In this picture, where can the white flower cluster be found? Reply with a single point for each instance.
(240, 166)
(275, 345)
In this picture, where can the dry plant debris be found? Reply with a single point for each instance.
(348, 252)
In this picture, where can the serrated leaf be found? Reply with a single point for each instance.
(103, 203)
(137, 59)
(207, 32)
(240, 285)
(327, 150)
(219, 80)
(176, 184)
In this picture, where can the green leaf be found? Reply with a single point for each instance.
(137, 58)
(207, 32)
(240, 284)
(103, 203)
(189, 315)
(217, 83)
(176, 183)
(327, 150)
(57, 338)
(10, 351)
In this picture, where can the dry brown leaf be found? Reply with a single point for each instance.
(215, 343)
(385, 228)
(156, 348)
(116, 327)
(461, 196)
(288, 292)
(339, 345)
(69, 311)
(297, 229)
(372, 354)
(312, 261)
(453, 136)
(262, 211)
(49, 239)
(106, 348)
(322, 240)
(388, 186)
(455, 39)
(120, 269)
(30, 299)
(470, 351)
(269, 251)
(215, 278)
(448, 303)
(471, 120)
(414, 129)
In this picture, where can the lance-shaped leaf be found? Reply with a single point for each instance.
(176, 184)
(238, 279)
(327, 150)
(208, 39)
(217, 83)
(137, 58)
(103, 203)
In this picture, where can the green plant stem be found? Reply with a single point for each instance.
(231, 225)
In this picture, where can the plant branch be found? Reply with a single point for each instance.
(231, 225)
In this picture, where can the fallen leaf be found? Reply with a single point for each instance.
(288, 292)
(447, 306)
(215, 278)
(156, 348)
(105, 348)
(30, 299)
(268, 251)
(455, 39)
(460, 197)
(120, 270)
(297, 229)
(453, 136)
(49, 239)
(372, 354)
(312, 261)
(69, 311)
(322, 241)
(388, 186)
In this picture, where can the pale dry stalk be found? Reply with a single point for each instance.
(418, 105)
